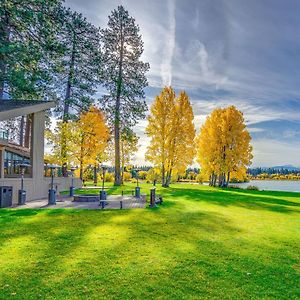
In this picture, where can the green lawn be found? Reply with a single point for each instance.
(202, 243)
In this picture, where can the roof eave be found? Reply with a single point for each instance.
(21, 111)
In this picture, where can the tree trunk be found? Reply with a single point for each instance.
(117, 115)
(21, 134)
(228, 179)
(168, 178)
(66, 117)
(5, 34)
(27, 134)
(163, 174)
(95, 175)
(81, 163)
(69, 83)
(215, 179)
(122, 161)
(81, 170)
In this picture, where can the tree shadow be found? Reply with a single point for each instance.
(260, 200)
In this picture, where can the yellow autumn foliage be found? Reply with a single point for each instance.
(172, 133)
(223, 145)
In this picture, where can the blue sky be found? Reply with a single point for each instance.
(240, 52)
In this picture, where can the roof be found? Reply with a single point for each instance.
(14, 108)
(15, 148)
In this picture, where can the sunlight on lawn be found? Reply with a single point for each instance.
(202, 241)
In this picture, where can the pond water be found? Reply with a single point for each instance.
(273, 185)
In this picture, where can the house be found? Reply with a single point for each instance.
(11, 155)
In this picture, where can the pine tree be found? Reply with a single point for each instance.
(123, 75)
(77, 70)
(27, 39)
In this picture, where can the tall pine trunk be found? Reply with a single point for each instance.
(21, 134)
(64, 154)
(27, 134)
(4, 33)
(117, 114)
(122, 162)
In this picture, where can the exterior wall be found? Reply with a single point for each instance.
(2, 150)
(38, 189)
(37, 145)
(37, 186)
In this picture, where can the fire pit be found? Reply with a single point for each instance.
(86, 198)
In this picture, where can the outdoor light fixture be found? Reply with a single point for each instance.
(102, 192)
(72, 169)
(52, 191)
(137, 188)
(22, 192)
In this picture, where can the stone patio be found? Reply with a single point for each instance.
(128, 202)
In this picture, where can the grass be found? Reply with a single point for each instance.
(202, 243)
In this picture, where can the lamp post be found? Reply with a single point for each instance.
(137, 188)
(103, 192)
(72, 169)
(52, 191)
(22, 192)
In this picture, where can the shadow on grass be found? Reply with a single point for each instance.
(164, 252)
(248, 199)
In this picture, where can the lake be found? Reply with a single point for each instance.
(273, 185)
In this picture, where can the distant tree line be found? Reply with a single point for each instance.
(269, 171)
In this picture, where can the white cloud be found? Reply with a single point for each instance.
(270, 152)
(207, 47)
(166, 65)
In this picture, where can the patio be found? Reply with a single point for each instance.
(113, 202)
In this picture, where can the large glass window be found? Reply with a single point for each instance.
(12, 162)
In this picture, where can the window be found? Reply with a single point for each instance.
(12, 162)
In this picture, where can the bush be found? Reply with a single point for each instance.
(126, 176)
(153, 174)
(199, 178)
(143, 175)
(88, 174)
(252, 188)
(109, 177)
(236, 187)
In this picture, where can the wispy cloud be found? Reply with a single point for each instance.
(242, 53)
(166, 65)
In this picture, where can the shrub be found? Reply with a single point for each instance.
(234, 187)
(199, 178)
(153, 174)
(143, 175)
(109, 177)
(88, 174)
(252, 188)
(126, 176)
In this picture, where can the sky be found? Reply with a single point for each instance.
(238, 52)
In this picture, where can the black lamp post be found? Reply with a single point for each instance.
(137, 188)
(52, 191)
(72, 169)
(103, 192)
(22, 192)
